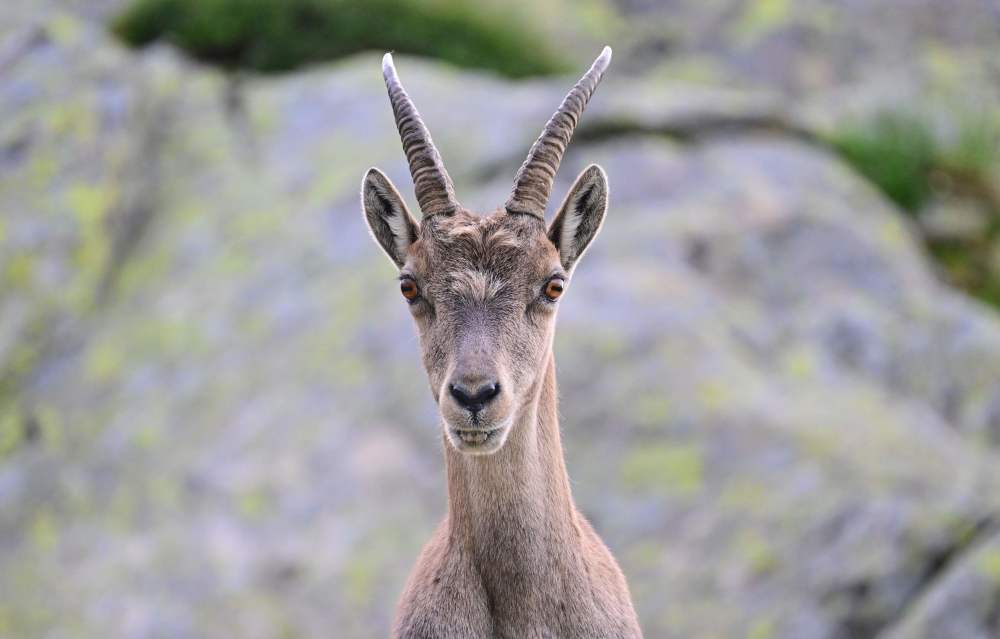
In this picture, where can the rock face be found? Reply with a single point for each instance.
(213, 421)
(809, 45)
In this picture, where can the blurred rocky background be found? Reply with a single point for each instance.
(779, 364)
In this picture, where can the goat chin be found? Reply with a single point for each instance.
(484, 439)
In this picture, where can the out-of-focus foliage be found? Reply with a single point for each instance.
(974, 152)
(280, 35)
(896, 151)
(926, 171)
(900, 152)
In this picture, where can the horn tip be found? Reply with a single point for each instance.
(602, 61)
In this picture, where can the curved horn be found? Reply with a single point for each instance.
(533, 183)
(435, 192)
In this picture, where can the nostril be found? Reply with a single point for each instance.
(488, 392)
(460, 395)
(474, 401)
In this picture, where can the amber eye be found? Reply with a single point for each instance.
(409, 289)
(554, 289)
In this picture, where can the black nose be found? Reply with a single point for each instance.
(474, 401)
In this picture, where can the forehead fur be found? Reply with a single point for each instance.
(477, 257)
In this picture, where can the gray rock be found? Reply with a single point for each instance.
(971, 584)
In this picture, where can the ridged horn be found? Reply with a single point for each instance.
(533, 183)
(435, 192)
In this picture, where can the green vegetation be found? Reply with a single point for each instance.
(972, 265)
(896, 151)
(975, 151)
(901, 154)
(918, 167)
(281, 35)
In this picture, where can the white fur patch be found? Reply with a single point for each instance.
(476, 285)
(400, 230)
(567, 239)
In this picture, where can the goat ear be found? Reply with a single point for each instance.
(390, 221)
(580, 216)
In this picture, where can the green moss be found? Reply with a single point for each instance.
(20, 362)
(359, 578)
(800, 363)
(713, 395)
(147, 437)
(25, 620)
(673, 469)
(762, 629)
(44, 533)
(20, 271)
(988, 564)
(89, 203)
(744, 495)
(104, 362)
(757, 552)
(63, 28)
(281, 35)
(254, 504)
(761, 17)
(10, 430)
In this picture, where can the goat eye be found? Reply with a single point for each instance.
(554, 289)
(409, 289)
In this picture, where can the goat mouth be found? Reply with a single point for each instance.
(476, 437)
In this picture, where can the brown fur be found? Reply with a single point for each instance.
(513, 558)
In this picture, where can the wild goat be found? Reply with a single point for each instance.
(513, 558)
